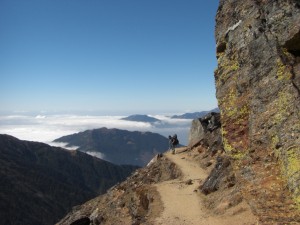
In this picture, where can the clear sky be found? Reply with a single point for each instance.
(107, 55)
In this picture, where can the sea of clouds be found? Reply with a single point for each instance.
(46, 128)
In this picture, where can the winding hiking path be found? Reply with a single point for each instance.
(183, 205)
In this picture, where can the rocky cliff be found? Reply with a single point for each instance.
(258, 91)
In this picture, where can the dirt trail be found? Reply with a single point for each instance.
(183, 205)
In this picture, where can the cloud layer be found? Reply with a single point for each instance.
(46, 128)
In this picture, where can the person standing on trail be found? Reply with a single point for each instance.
(173, 141)
(171, 147)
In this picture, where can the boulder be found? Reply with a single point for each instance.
(206, 131)
(219, 174)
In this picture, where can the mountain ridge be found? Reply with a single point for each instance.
(194, 115)
(141, 118)
(119, 146)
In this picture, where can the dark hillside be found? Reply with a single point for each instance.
(119, 146)
(40, 183)
(141, 118)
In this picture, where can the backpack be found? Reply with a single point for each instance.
(176, 142)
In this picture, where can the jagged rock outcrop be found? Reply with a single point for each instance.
(258, 92)
(205, 136)
(206, 131)
(219, 174)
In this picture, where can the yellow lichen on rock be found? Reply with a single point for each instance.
(293, 157)
(227, 147)
(226, 67)
(282, 71)
(292, 169)
(283, 105)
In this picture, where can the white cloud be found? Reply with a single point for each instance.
(97, 154)
(64, 145)
(40, 117)
(47, 128)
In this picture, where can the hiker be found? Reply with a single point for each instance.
(173, 141)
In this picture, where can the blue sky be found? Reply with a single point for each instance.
(138, 56)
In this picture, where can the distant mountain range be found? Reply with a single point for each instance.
(141, 118)
(194, 115)
(40, 183)
(119, 146)
(149, 119)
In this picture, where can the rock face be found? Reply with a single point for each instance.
(258, 92)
